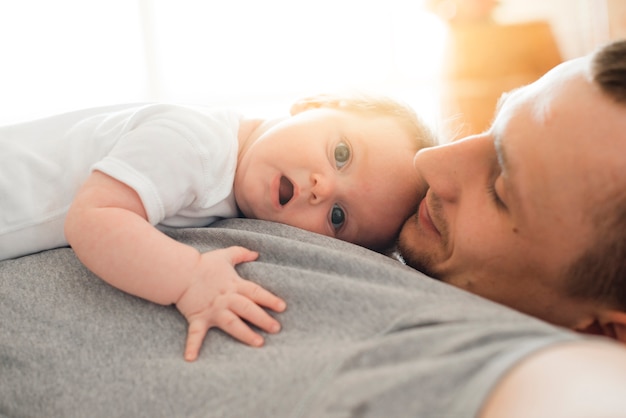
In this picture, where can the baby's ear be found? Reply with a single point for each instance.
(307, 103)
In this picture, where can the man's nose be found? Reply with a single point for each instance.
(448, 169)
(322, 188)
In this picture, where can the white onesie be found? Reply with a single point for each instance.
(180, 160)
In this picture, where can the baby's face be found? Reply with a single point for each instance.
(333, 172)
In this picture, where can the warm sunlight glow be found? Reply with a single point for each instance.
(68, 54)
(219, 53)
(62, 54)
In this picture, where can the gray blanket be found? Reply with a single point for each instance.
(363, 336)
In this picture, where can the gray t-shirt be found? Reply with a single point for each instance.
(363, 336)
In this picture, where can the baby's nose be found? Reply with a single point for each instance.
(322, 188)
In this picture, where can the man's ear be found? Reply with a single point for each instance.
(615, 324)
(609, 323)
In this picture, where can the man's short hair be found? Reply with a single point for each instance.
(600, 273)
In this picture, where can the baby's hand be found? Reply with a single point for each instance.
(218, 297)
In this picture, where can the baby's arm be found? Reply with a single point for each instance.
(108, 229)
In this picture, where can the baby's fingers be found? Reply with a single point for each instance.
(195, 336)
(233, 325)
(251, 312)
(238, 254)
(228, 322)
(261, 296)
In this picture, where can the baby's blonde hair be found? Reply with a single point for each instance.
(376, 105)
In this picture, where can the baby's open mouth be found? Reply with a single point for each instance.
(285, 191)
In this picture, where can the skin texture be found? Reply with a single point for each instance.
(577, 380)
(126, 251)
(129, 253)
(379, 170)
(505, 212)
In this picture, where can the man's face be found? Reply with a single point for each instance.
(505, 212)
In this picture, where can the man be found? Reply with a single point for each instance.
(532, 213)
(363, 336)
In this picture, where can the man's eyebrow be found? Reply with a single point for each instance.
(510, 176)
(507, 162)
(501, 155)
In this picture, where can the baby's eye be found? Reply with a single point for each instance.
(342, 154)
(337, 217)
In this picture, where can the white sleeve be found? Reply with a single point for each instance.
(175, 158)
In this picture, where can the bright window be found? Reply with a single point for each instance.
(67, 54)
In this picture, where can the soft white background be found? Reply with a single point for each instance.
(259, 55)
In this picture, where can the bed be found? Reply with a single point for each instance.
(363, 336)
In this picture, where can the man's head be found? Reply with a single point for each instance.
(340, 166)
(532, 212)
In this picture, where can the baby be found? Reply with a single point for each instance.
(102, 179)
